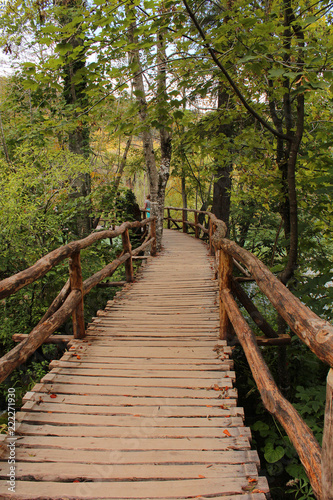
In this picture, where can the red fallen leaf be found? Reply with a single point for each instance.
(53, 396)
(211, 465)
(202, 477)
(226, 432)
(76, 481)
(50, 412)
(252, 480)
(209, 406)
(258, 491)
(78, 357)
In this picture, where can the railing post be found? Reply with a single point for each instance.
(184, 221)
(196, 224)
(153, 235)
(327, 449)
(169, 219)
(75, 276)
(128, 249)
(211, 232)
(225, 281)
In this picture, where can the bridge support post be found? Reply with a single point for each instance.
(169, 219)
(196, 224)
(153, 235)
(327, 449)
(128, 249)
(211, 232)
(184, 219)
(75, 275)
(225, 282)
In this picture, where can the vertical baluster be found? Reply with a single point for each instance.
(211, 232)
(128, 249)
(153, 235)
(196, 225)
(184, 221)
(225, 276)
(75, 275)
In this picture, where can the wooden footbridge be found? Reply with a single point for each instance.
(143, 404)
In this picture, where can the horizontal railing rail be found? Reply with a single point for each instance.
(70, 299)
(315, 332)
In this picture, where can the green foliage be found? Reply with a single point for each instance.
(39, 206)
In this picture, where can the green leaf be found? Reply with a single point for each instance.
(276, 73)
(272, 454)
(178, 114)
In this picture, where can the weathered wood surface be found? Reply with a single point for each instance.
(42, 331)
(299, 433)
(327, 451)
(144, 407)
(315, 332)
(14, 283)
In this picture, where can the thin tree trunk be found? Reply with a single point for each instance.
(165, 137)
(122, 164)
(74, 95)
(157, 179)
(4, 145)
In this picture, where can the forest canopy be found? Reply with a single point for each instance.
(219, 105)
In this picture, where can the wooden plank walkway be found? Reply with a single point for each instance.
(144, 407)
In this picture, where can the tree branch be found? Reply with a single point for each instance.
(233, 85)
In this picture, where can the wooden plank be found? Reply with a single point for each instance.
(225, 390)
(81, 370)
(129, 420)
(132, 371)
(188, 343)
(48, 472)
(142, 352)
(165, 363)
(136, 443)
(131, 490)
(89, 400)
(141, 382)
(208, 411)
(134, 457)
(61, 429)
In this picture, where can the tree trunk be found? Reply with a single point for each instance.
(157, 179)
(75, 97)
(222, 177)
(165, 138)
(122, 164)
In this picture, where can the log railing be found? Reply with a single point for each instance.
(315, 332)
(70, 299)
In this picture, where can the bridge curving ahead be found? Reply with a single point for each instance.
(143, 407)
